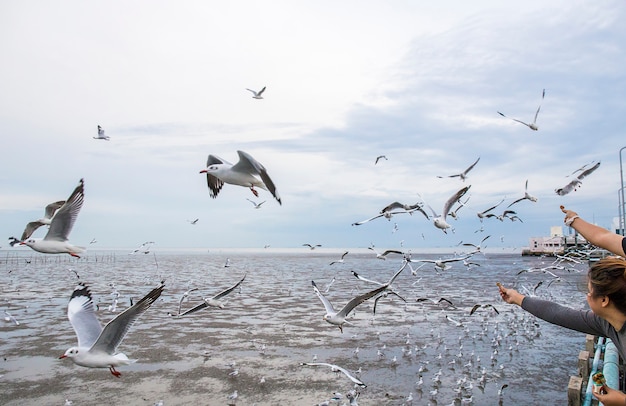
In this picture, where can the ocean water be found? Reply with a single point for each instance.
(273, 323)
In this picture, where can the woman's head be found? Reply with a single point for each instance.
(607, 277)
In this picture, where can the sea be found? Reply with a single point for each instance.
(416, 349)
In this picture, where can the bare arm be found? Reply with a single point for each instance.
(598, 236)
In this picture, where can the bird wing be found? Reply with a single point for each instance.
(392, 252)
(365, 279)
(52, 207)
(471, 166)
(227, 291)
(115, 330)
(248, 164)
(82, 316)
(352, 378)
(261, 91)
(476, 307)
(253, 91)
(30, 229)
(215, 184)
(588, 171)
(194, 309)
(358, 223)
(391, 206)
(539, 108)
(63, 221)
(452, 200)
(327, 305)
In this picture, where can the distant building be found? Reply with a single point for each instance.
(554, 244)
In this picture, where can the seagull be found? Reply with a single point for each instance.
(483, 214)
(45, 220)
(582, 168)
(213, 301)
(340, 261)
(453, 321)
(257, 95)
(505, 214)
(478, 306)
(336, 368)
(97, 345)
(526, 196)
(533, 125)
(382, 295)
(10, 318)
(462, 175)
(143, 248)
(379, 157)
(56, 240)
(477, 248)
(338, 318)
(101, 135)
(256, 205)
(383, 256)
(193, 222)
(453, 213)
(311, 246)
(388, 215)
(243, 173)
(442, 263)
(409, 208)
(442, 299)
(575, 184)
(440, 220)
(185, 296)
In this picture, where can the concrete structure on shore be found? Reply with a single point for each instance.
(554, 244)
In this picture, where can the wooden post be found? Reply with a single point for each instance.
(573, 390)
(583, 364)
(589, 343)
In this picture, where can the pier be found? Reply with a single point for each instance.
(599, 354)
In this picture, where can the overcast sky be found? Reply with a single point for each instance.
(346, 81)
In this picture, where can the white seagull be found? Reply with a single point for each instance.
(340, 261)
(311, 246)
(384, 254)
(462, 175)
(527, 196)
(575, 184)
(533, 125)
(213, 301)
(257, 95)
(56, 240)
(338, 318)
(336, 368)
(97, 346)
(442, 263)
(45, 220)
(256, 205)
(101, 135)
(243, 173)
(440, 220)
(482, 214)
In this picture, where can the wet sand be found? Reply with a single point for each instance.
(268, 329)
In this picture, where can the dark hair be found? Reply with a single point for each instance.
(608, 278)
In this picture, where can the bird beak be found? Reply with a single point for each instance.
(203, 171)
(63, 356)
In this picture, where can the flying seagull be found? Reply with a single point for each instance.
(384, 254)
(256, 205)
(97, 346)
(338, 318)
(483, 214)
(336, 368)
(462, 175)
(379, 157)
(575, 184)
(526, 196)
(101, 135)
(478, 306)
(56, 240)
(409, 208)
(257, 95)
(243, 173)
(340, 261)
(440, 220)
(533, 125)
(311, 246)
(214, 301)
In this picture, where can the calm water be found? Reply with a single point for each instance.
(275, 322)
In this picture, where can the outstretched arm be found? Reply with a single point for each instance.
(598, 236)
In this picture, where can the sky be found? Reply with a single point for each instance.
(346, 82)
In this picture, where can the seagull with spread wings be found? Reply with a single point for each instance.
(213, 301)
(246, 172)
(440, 220)
(462, 175)
(533, 125)
(527, 196)
(257, 95)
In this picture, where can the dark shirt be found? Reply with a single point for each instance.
(624, 244)
(584, 321)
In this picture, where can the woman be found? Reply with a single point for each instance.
(606, 284)
(598, 236)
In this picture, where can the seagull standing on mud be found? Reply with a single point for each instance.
(243, 173)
